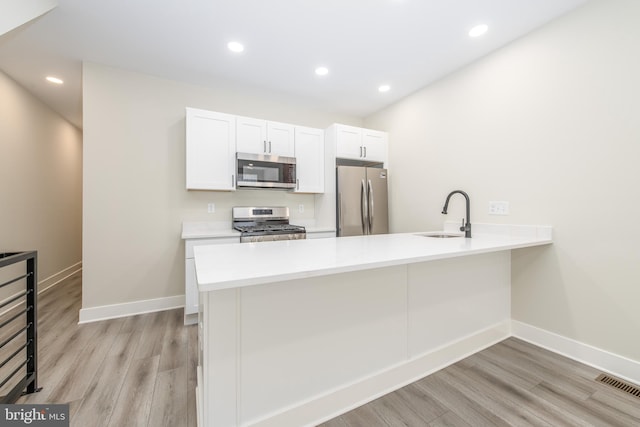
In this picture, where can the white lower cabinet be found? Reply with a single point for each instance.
(257, 339)
(320, 234)
(190, 282)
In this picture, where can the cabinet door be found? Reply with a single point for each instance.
(210, 150)
(190, 288)
(251, 136)
(309, 152)
(375, 145)
(191, 294)
(349, 142)
(320, 234)
(280, 139)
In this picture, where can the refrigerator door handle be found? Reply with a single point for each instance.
(340, 217)
(363, 208)
(370, 207)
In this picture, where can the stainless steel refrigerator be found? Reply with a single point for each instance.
(361, 201)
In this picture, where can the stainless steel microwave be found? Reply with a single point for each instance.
(264, 171)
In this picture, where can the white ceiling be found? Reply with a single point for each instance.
(364, 43)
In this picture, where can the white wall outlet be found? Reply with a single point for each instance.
(301, 208)
(211, 207)
(498, 208)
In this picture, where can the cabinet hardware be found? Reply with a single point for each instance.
(264, 143)
(269, 147)
(297, 184)
(371, 207)
(364, 208)
(365, 151)
(340, 216)
(233, 181)
(361, 151)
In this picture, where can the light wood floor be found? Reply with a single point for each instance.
(512, 383)
(140, 371)
(134, 371)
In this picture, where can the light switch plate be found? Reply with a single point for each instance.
(211, 207)
(301, 208)
(498, 208)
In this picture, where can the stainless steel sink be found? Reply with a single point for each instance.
(438, 235)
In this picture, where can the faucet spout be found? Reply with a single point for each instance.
(466, 227)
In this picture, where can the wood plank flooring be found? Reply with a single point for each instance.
(512, 383)
(140, 371)
(133, 371)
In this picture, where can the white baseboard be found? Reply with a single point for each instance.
(104, 312)
(330, 405)
(190, 319)
(48, 283)
(617, 365)
(58, 277)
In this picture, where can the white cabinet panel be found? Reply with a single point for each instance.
(457, 297)
(191, 287)
(320, 234)
(280, 139)
(309, 153)
(210, 150)
(361, 144)
(262, 137)
(374, 145)
(301, 338)
(251, 135)
(348, 142)
(220, 358)
(190, 283)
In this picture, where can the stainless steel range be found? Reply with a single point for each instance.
(265, 224)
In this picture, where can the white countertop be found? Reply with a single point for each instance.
(247, 264)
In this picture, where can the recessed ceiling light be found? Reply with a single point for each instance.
(384, 88)
(322, 71)
(54, 80)
(235, 47)
(478, 30)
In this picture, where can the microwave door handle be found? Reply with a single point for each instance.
(363, 208)
(370, 207)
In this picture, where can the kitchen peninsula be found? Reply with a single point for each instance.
(293, 333)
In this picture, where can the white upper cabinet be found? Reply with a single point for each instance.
(309, 153)
(374, 145)
(251, 135)
(361, 144)
(263, 137)
(280, 139)
(348, 142)
(210, 150)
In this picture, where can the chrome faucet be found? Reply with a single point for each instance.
(465, 227)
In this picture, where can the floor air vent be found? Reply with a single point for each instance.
(619, 384)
